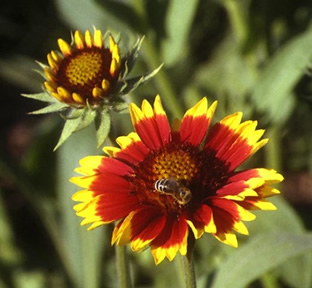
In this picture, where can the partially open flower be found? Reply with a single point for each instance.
(84, 72)
(86, 80)
(164, 183)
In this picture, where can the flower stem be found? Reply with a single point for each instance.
(153, 60)
(273, 153)
(122, 267)
(188, 266)
(238, 19)
(162, 80)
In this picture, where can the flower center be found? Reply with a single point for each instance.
(83, 67)
(178, 176)
(84, 70)
(176, 163)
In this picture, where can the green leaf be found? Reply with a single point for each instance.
(28, 279)
(55, 107)
(75, 124)
(43, 96)
(261, 254)
(83, 250)
(284, 219)
(180, 16)
(272, 92)
(17, 69)
(123, 12)
(297, 272)
(77, 13)
(9, 253)
(219, 75)
(102, 126)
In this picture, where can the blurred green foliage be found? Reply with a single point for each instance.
(252, 56)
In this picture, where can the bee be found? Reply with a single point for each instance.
(171, 186)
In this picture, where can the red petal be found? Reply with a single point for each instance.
(249, 203)
(109, 183)
(220, 138)
(163, 128)
(228, 145)
(147, 224)
(238, 153)
(134, 153)
(232, 188)
(244, 175)
(194, 129)
(226, 205)
(113, 166)
(225, 214)
(223, 220)
(154, 132)
(203, 215)
(173, 233)
(116, 206)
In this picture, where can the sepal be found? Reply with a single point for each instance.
(102, 126)
(43, 96)
(79, 120)
(128, 85)
(129, 59)
(54, 107)
(121, 107)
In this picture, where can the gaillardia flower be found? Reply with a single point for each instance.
(87, 79)
(166, 182)
(85, 73)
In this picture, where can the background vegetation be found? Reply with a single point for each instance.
(253, 56)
